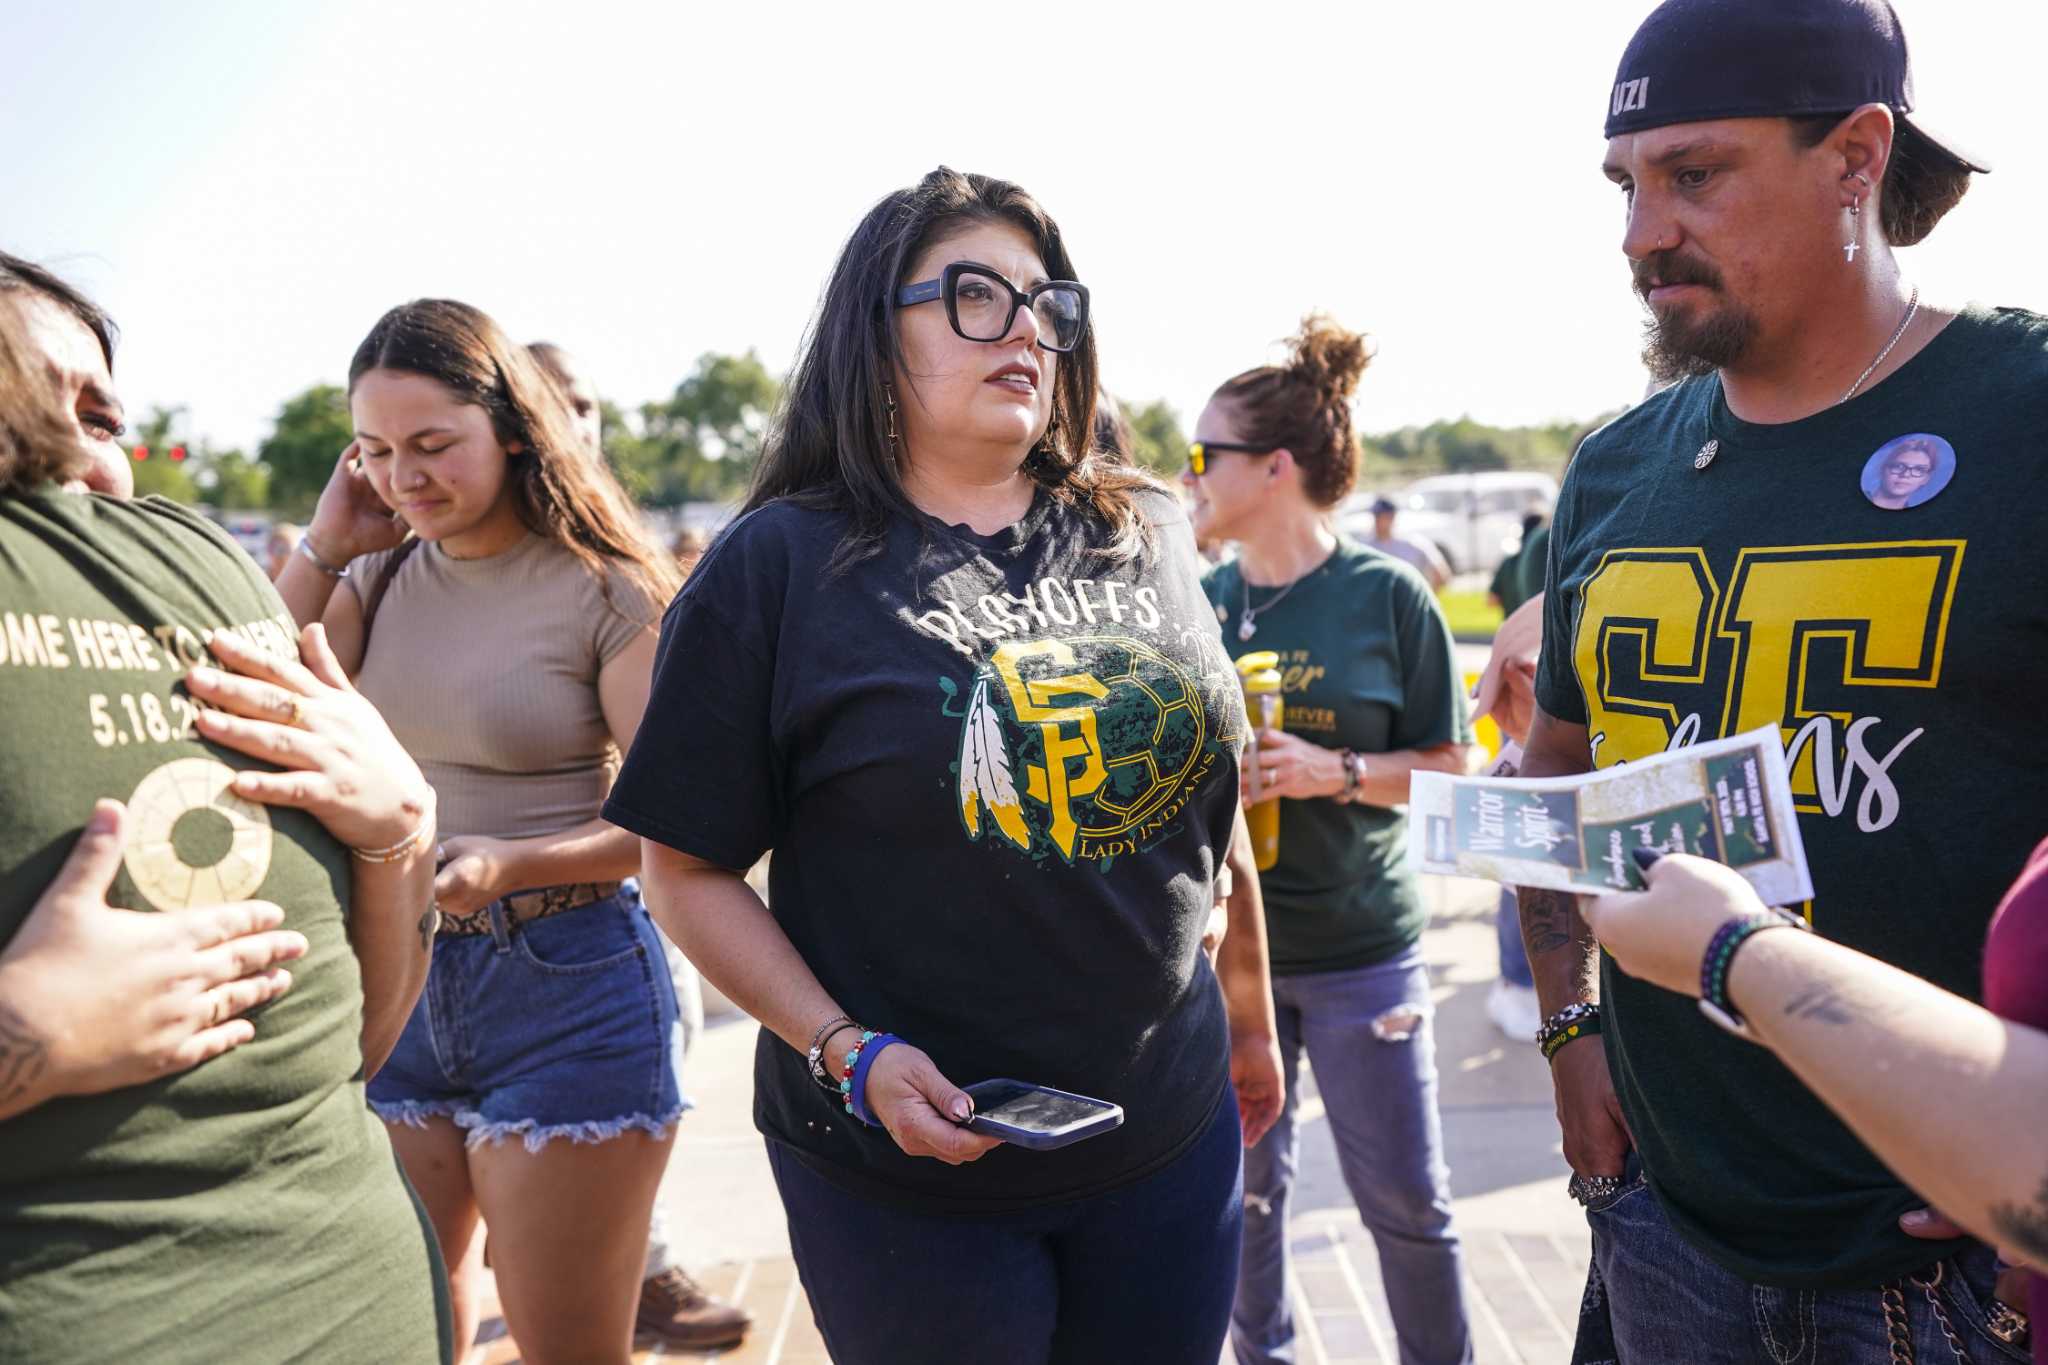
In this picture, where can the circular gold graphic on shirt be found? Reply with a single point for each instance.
(191, 840)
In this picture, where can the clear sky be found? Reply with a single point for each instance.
(246, 185)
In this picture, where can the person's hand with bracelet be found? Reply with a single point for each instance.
(1663, 935)
(350, 520)
(900, 1089)
(1291, 767)
(341, 762)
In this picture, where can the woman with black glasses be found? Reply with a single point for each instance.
(954, 666)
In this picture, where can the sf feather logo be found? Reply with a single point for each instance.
(1087, 748)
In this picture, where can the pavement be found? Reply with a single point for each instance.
(1525, 1241)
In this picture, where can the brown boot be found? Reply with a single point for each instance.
(676, 1309)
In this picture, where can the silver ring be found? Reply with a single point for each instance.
(1587, 1188)
(1268, 779)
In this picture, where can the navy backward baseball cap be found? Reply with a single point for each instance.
(1694, 60)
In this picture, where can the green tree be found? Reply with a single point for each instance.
(159, 473)
(234, 482)
(311, 431)
(700, 444)
(1157, 441)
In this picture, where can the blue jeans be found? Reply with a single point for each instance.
(563, 1027)
(1142, 1273)
(1651, 1297)
(1380, 1095)
(1507, 927)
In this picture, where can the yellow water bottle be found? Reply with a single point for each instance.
(1259, 671)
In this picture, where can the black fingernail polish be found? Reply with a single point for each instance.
(1645, 856)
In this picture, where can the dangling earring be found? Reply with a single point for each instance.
(1852, 246)
(889, 397)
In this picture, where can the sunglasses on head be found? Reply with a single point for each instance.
(1200, 451)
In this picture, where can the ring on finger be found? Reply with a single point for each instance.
(1269, 777)
(295, 710)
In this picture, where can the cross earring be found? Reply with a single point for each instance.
(1852, 246)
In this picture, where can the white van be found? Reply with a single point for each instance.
(1474, 519)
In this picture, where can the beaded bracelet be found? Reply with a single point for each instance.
(853, 1082)
(1720, 954)
(1581, 1020)
(1354, 775)
(815, 1054)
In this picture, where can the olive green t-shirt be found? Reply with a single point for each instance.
(249, 1209)
(1366, 664)
(1899, 652)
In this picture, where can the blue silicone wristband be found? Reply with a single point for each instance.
(858, 1094)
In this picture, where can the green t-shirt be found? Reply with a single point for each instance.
(1367, 664)
(249, 1209)
(1900, 653)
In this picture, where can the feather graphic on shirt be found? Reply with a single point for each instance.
(985, 778)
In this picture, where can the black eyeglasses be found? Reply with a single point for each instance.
(1899, 469)
(981, 305)
(1200, 451)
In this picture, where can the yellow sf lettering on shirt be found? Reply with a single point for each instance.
(1888, 604)
(1032, 702)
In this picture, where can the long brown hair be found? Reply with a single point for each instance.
(1305, 406)
(830, 443)
(38, 442)
(558, 492)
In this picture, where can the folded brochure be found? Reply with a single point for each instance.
(1728, 799)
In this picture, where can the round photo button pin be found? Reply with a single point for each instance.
(1907, 471)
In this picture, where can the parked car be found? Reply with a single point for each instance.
(1474, 519)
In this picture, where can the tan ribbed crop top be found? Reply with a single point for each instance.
(486, 670)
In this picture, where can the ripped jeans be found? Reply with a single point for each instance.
(564, 1027)
(1380, 1097)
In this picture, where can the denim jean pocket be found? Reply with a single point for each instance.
(592, 939)
(1633, 1181)
(1967, 1282)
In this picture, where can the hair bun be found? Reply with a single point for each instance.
(1329, 357)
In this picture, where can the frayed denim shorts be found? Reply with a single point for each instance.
(563, 1027)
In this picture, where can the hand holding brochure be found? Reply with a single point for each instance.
(1729, 800)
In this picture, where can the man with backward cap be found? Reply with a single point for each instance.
(1715, 566)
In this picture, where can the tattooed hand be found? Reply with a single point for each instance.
(94, 998)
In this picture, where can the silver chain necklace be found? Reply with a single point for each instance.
(1713, 446)
(1247, 624)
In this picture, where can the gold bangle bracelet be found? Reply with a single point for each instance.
(422, 833)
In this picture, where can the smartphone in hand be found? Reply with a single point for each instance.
(1037, 1116)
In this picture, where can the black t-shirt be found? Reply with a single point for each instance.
(998, 774)
(1901, 654)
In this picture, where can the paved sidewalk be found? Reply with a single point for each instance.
(1525, 1241)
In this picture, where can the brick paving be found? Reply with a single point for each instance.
(1525, 1242)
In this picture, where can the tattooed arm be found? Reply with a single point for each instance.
(1951, 1097)
(1565, 962)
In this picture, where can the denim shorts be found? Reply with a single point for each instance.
(564, 1027)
